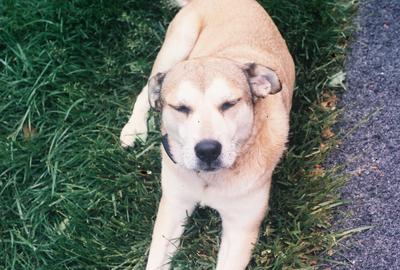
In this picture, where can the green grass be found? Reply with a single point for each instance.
(71, 198)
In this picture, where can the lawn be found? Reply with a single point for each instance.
(72, 198)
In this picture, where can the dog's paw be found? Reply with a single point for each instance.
(133, 131)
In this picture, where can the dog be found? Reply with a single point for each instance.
(223, 81)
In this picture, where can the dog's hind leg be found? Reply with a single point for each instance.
(180, 39)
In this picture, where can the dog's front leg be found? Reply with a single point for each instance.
(236, 245)
(241, 221)
(168, 228)
(136, 128)
(179, 42)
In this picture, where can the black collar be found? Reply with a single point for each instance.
(165, 143)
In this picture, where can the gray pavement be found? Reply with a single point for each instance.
(371, 153)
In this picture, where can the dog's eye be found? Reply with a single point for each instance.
(229, 104)
(182, 108)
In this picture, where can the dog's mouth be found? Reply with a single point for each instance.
(209, 166)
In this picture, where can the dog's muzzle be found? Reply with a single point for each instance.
(208, 151)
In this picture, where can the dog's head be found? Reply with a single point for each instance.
(207, 109)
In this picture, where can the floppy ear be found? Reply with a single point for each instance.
(154, 88)
(263, 81)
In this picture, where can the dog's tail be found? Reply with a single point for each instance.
(181, 3)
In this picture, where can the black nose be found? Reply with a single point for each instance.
(208, 150)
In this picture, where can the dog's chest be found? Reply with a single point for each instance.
(222, 191)
(216, 194)
(207, 195)
(210, 196)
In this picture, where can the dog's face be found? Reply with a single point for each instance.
(207, 109)
(207, 125)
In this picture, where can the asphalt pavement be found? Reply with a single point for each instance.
(371, 150)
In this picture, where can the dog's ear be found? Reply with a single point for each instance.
(263, 81)
(154, 89)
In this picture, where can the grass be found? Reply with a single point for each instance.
(71, 198)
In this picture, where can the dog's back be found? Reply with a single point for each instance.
(242, 30)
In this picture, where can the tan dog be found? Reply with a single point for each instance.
(223, 81)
